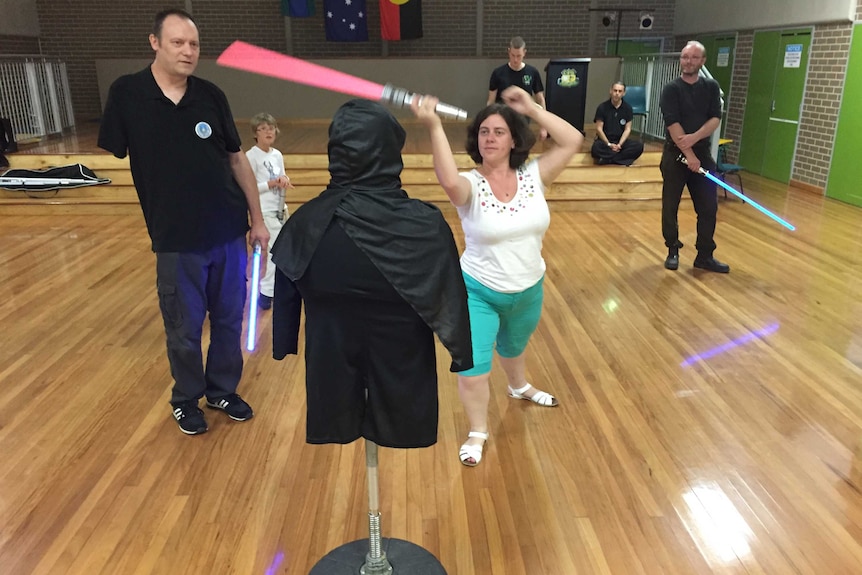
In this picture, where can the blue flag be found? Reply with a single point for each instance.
(346, 20)
(297, 8)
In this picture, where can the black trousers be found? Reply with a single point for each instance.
(190, 285)
(703, 193)
(631, 151)
(371, 368)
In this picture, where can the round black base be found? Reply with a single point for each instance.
(406, 559)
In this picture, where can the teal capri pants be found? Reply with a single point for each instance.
(507, 319)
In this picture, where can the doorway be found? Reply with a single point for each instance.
(779, 67)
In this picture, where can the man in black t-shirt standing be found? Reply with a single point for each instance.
(691, 106)
(197, 191)
(516, 72)
(613, 126)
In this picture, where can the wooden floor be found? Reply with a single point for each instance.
(709, 424)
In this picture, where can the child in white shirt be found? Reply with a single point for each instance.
(268, 166)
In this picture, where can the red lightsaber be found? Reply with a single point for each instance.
(244, 56)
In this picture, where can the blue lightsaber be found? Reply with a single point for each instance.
(252, 306)
(742, 197)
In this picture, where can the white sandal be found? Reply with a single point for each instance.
(542, 398)
(473, 452)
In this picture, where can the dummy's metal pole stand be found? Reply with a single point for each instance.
(375, 562)
(407, 558)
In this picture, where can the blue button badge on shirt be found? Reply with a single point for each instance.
(203, 130)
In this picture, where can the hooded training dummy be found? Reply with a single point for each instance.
(378, 273)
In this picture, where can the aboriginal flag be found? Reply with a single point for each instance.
(401, 19)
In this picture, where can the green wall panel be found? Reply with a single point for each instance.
(845, 174)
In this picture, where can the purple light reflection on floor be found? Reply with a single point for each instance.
(276, 562)
(759, 334)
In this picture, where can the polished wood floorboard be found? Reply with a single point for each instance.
(709, 424)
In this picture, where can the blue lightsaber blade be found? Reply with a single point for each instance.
(252, 306)
(744, 198)
(748, 200)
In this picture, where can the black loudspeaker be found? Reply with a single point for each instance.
(646, 22)
(7, 136)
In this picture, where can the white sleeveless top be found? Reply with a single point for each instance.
(504, 239)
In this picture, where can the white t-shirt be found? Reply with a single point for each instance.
(267, 166)
(504, 239)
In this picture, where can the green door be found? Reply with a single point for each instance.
(779, 64)
(719, 62)
(845, 172)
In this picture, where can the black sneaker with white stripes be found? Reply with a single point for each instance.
(233, 405)
(190, 418)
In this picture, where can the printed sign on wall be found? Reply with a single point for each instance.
(792, 55)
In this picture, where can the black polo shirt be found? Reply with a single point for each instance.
(690, 105)
(527, 78)
(614, 119)
(179, 155)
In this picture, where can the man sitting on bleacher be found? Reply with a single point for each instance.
(613, 127)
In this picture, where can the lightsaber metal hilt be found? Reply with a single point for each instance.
(401, 98)
(682, 159)
(280, 214)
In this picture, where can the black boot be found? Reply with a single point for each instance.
(672, 261)
(711, 264)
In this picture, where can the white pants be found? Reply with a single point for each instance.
(273, 226)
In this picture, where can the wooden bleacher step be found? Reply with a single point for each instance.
(583, 185)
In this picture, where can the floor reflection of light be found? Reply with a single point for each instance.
(276, 562)
(719, 524)
(610, 306)
(759, 334)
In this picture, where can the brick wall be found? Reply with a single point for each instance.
(661, 10)
(827, 67)
(18, 45)
(82, 31)
(738, 92)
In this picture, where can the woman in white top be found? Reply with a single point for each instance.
(504, 215)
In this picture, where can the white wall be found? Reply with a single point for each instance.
(19, 18)
(701, 16)
(461, 82)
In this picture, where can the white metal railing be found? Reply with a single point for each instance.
(653, 71)
(34, 94)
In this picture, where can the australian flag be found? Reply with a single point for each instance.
(346, 20)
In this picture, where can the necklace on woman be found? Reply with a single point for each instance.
(500, 183)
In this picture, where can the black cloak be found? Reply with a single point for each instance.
(408, 240)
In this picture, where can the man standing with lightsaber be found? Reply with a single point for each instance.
(197, 193)
(691, 106)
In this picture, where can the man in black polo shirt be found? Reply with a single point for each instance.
(197, 192)
(613, 126)
(691, 107)
(516, 72)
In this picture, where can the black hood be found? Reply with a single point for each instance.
(365, 143)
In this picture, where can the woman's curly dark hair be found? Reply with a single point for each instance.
(523, 137)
